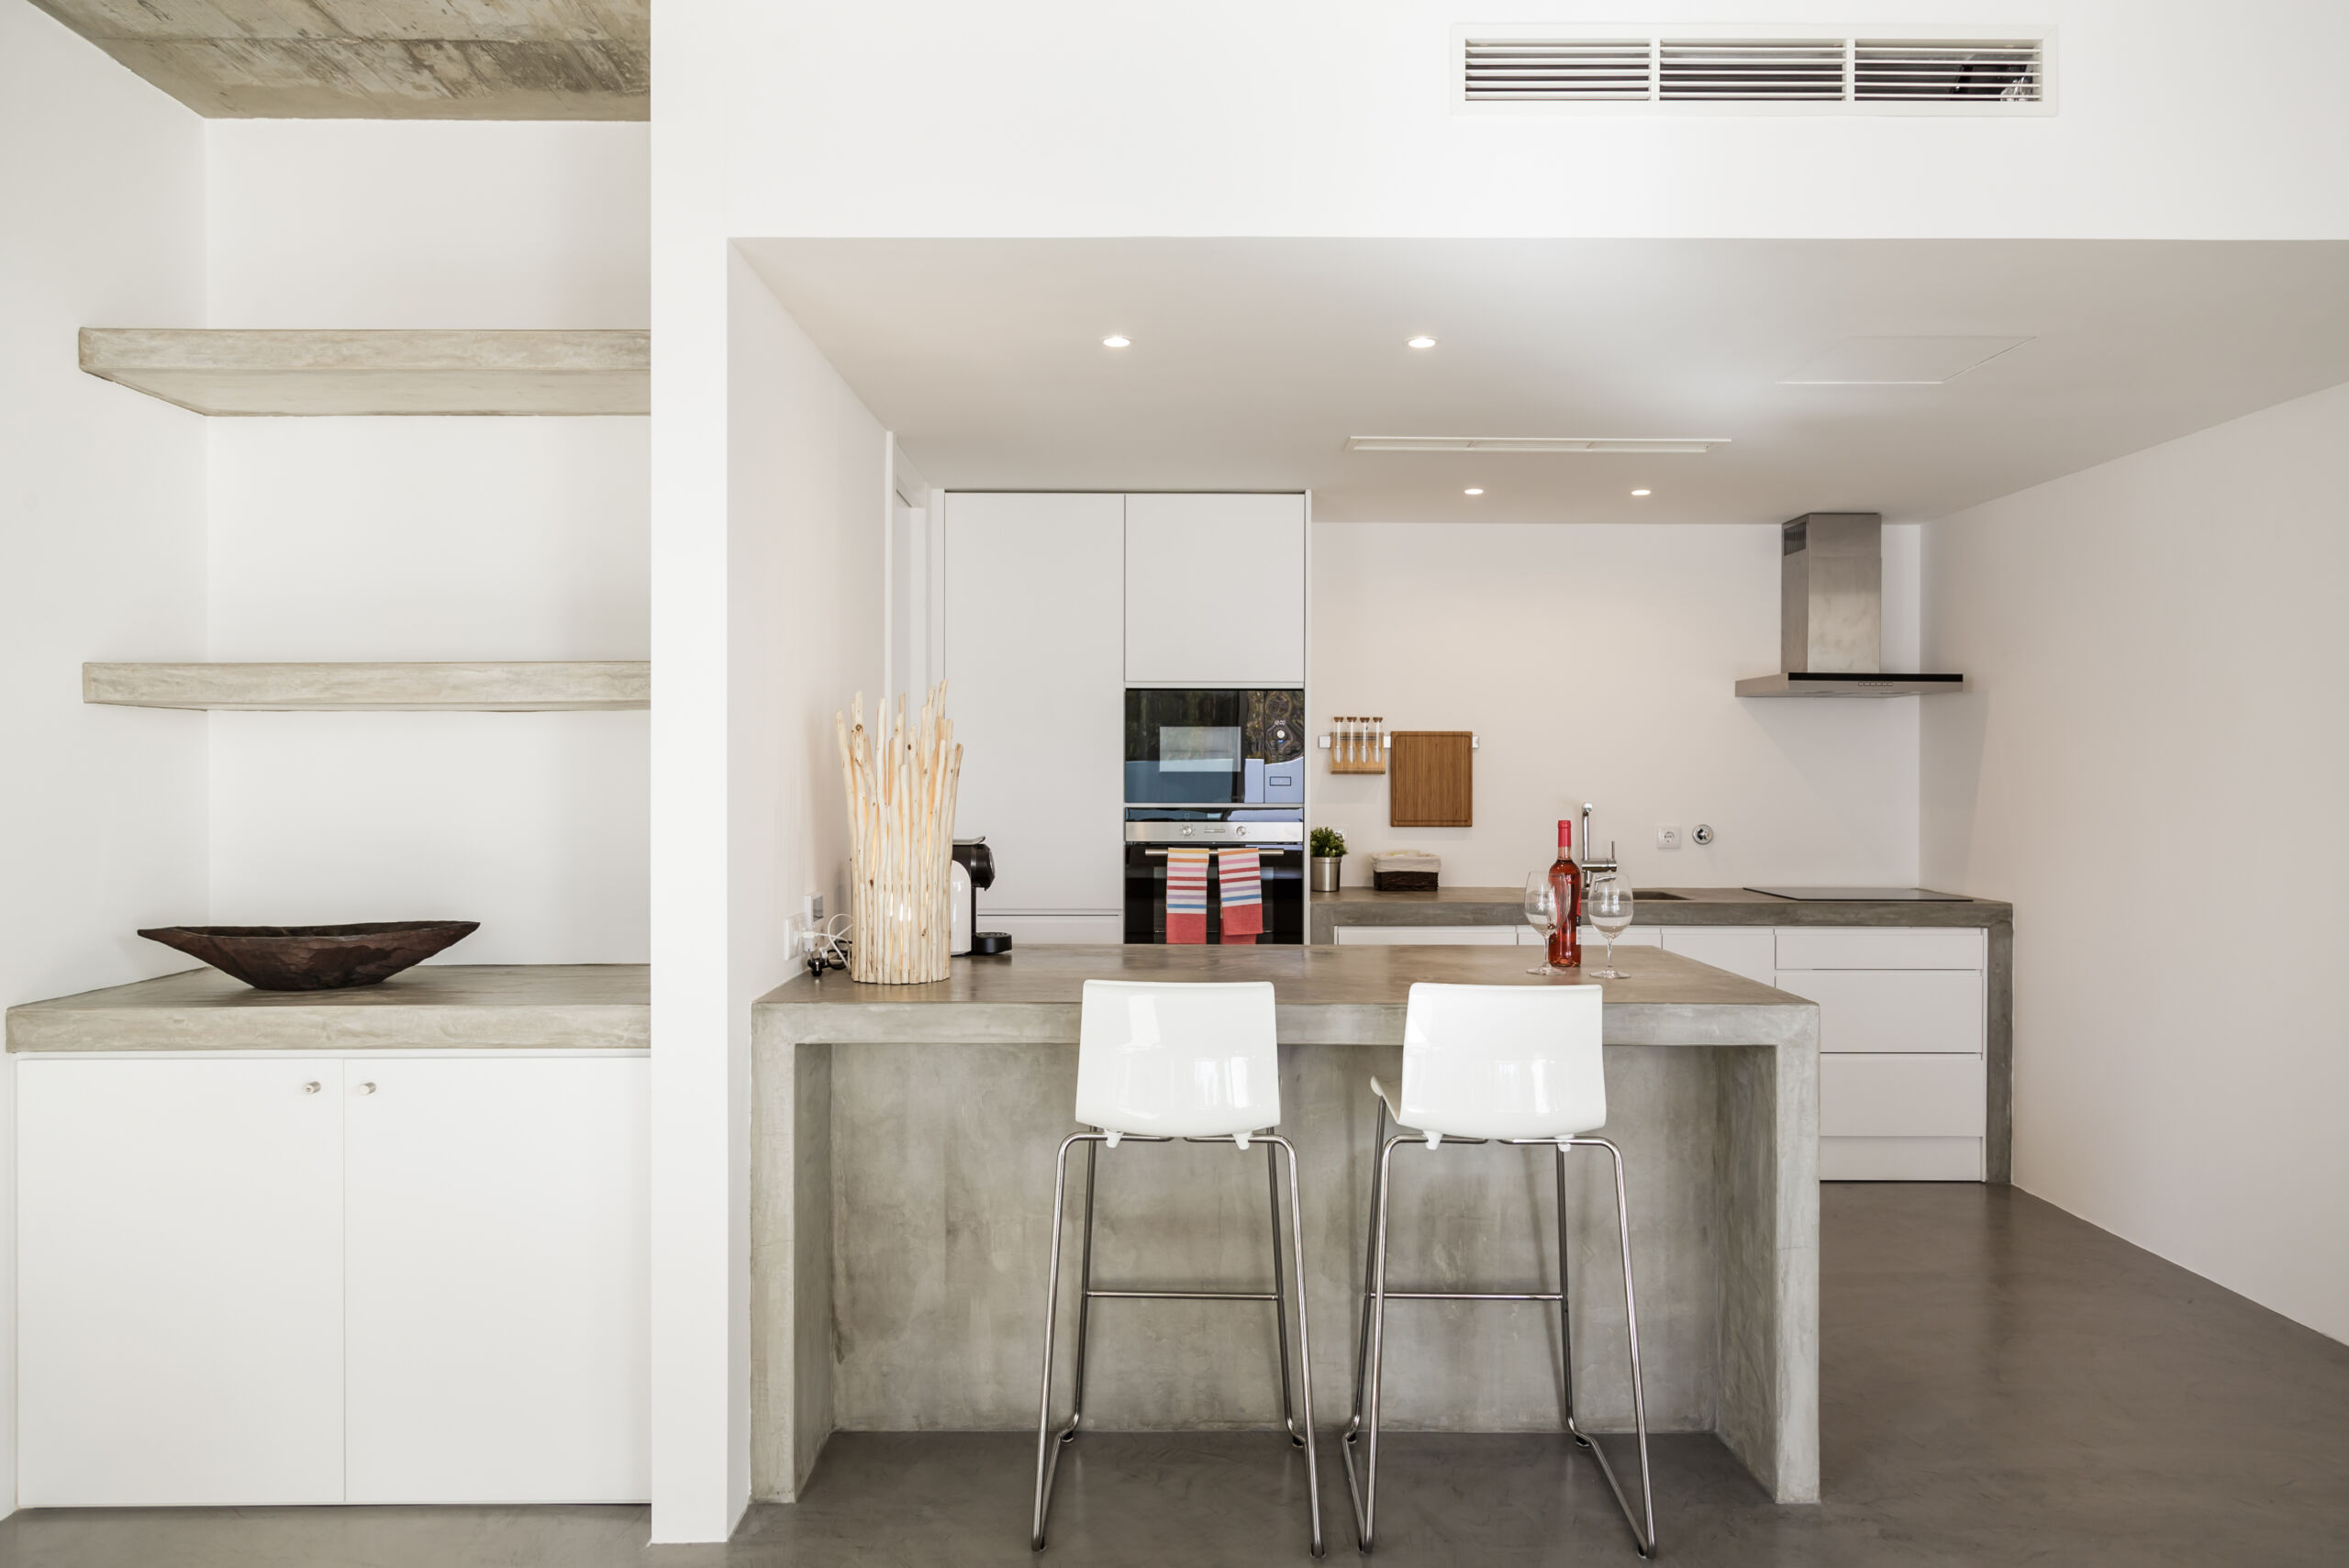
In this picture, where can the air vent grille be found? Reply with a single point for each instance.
(1944, 74)
(1914, 72)
(1750, 73)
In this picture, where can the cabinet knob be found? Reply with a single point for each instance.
(312, 1087)
(367, 1088)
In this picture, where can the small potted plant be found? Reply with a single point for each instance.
(1329, 855)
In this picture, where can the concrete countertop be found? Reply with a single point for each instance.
(1687, 906)
(538, 1005)
(1351, 995)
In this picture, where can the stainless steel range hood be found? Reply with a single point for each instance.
(1831, 614)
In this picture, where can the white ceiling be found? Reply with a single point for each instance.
(1253, 359)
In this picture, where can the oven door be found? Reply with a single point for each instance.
(1214, 746)
(1284, 894)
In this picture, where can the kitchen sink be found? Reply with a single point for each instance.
(1642, 895)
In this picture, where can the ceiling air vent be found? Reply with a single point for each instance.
(1748, 72)
(1609, 69)
(1535, 72)
(1906, 70)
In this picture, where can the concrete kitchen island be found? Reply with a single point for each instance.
(904, 1142)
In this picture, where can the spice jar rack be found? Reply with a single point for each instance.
(1358, 745)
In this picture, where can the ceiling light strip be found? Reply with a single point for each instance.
(1693, 445)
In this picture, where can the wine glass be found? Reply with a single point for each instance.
(1608, 904)
(1541, 914)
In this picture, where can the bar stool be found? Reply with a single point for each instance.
(1509, 1064)
(1155, 1062)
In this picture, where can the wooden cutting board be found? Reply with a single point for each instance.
(1431, 779)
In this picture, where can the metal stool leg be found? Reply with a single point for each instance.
(1644, 1522)
(1365, 1490)
(1280, 1306)
(1304, 1344)
(1047, 1451)
(1084, 1291)
(1565, 1309)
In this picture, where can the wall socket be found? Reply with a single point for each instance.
(1667, 837)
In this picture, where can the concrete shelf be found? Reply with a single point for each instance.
(437, 1006)
(506, 687)
(240, 372)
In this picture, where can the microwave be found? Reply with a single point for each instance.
(1215, 746)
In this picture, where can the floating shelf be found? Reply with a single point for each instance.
(252, 372)
(506, 688)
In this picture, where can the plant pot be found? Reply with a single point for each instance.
(1325, 872)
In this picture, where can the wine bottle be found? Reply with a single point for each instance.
(1565, 893)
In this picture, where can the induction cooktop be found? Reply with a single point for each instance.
(1864, 895)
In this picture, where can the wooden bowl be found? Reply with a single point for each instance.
(314, 958)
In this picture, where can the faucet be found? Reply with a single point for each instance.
(1592, 866)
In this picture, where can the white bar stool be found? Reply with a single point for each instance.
(1509, 1064)
(1155, 1062)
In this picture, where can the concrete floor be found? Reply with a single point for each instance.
(2001, 1384)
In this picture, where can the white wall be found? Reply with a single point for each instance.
(102, 810)
(1598, 662)
(432, 538)
(2158, 723)
(1335, 116)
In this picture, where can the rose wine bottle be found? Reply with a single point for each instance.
(1565, 891)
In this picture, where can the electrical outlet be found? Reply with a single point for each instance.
(1667, 837)
(795, 938)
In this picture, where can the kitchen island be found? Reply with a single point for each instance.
(903, 1140)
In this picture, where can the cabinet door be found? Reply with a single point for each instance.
(179, 1282)
(1215, 590)
(1900, 1096)
(498, 1328)
(1748, 951)
(1035, 648)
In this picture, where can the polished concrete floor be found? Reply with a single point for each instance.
(2001, 1384)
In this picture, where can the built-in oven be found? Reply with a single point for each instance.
(1215, 746)
(1277, 833)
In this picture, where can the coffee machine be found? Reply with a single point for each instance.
(974, 869)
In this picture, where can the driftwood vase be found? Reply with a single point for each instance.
(901, 839)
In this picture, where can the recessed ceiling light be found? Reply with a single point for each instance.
(1642, 493)
(1473, 490)
(1421, 343)
(1643, 444)
(1117, 340)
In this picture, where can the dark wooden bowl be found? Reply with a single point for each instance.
(314, 958)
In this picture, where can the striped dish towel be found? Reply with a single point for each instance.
(1241, 875)
(1186, 895)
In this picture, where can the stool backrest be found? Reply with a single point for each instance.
(1181, 1059)
(1504, 1061)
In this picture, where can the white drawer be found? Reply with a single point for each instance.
(1423, 936)
(1901, 1097)
(1637, 937)
(1875, 947)
(1934, 1010)
(1899, 1158)
(1749, 951)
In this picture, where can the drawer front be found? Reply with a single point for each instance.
(1637, 937)
(1899, 1158)
(1901, 1097)
(1428, 936)
(1929, 1010)
(1749, 951)
(1870, 947)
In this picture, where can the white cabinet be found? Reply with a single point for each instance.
(1427, 936)
(179, 1282)
(320, 1280)
(1593, 942)
(1747, 951)
(1034, 660)
(1903, 1082)
(1215, 590)
(497, 1330)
